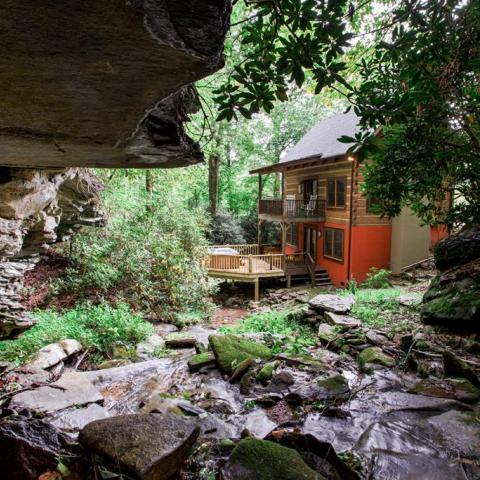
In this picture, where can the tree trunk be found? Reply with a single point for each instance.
(213, 173)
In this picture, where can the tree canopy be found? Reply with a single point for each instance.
(414, 73)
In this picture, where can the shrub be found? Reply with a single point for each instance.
(378, 278)
(226, 229)
(98, 327)
(151, 250)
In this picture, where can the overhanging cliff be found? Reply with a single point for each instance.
(89, 83)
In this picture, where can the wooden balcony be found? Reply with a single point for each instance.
(292, 209)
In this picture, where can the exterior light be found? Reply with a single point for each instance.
(351, 158)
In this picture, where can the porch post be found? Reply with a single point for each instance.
(259, 188)
(257, 289)
(283, 227)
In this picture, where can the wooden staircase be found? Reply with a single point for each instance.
(322, 278)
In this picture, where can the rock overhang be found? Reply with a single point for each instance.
(104, 84)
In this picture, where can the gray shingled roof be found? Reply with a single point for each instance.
(322, 139)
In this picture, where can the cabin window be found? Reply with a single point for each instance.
(292, 236)
(372, 204)
(336, 192)
(333, 244)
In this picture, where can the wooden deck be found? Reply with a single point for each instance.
(249, 265)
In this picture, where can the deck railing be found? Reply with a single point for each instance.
(247, 261)
(293, 208)
(251, 264)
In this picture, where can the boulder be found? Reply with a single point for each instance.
(376, 338)
(72, 389)
(146, 350)
(30, 447)
(374, 356)
(453, 298)
(456, 250)
(73, 419)
(267, 371)
(344, 321)
(254, 459)
(231, 350)
(332, 303)
(149, 446)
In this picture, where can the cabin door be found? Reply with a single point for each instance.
(310, 241)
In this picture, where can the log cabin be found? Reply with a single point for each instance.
(329, 228)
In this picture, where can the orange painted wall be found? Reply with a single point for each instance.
(436, 234)
(338, 271)
(370, 248)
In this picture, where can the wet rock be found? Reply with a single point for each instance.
(376, 338)
(332, 303)
(180, 340)
(230, 350)
(374, 356)
(248, 382)
(280, 381)
(200, 360)
(458, 388)
(267, 371)
(258, 423)
(114, 363)
(30, 447)
(27, 376)
(54, 353)
(72, 389)
(327, 333)
(260, 460)
(163, 329)
(335, 386)
(72, 420)
(343, 321)
(399, 454)
(241, 369)
(146, 350)
(455, 367)
(150, 446)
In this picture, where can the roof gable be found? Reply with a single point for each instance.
(322, 139)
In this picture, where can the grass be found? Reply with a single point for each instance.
(376, 307)
(97, 327)
(280, 322)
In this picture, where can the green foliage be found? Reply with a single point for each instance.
(97, 327)
(226, 229)
(378, 278)
(298, 337)
(414, 73)
(152, 249)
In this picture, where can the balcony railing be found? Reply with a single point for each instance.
(293, 208)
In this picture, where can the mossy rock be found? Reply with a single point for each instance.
(231, 350)
(266, 373)
(254, 459)
(457, 388)
(335, 385)
(198, 361)
(374, 356)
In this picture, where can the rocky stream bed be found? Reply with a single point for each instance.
(361, 404)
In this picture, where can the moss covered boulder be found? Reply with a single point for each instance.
(374, 356)
(231, 350)
(254, 459)
(267, 371)
(453, 298)
(457, 388)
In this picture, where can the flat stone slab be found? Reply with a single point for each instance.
(72, 389)
(149, 446)
(344, 321)
(54, 353)
(332, 303)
